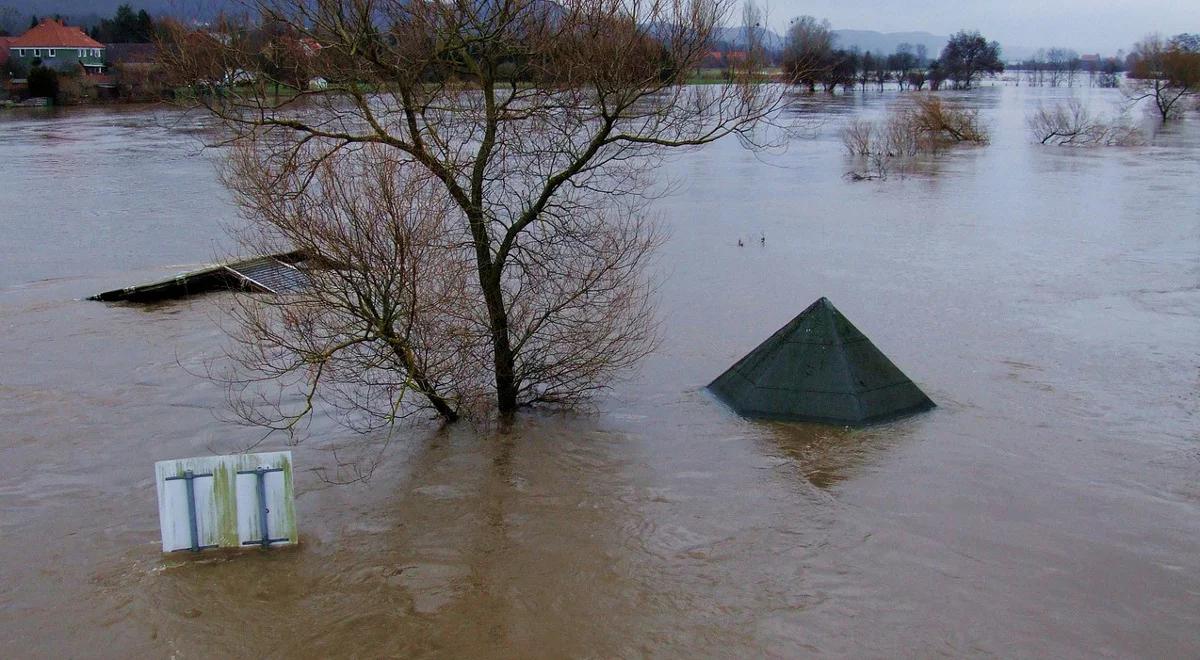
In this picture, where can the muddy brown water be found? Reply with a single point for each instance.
(1047, 299)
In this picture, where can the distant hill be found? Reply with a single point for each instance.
(736, 37)
(886, 42)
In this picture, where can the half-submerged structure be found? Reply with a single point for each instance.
(275, 273)
(819, 368)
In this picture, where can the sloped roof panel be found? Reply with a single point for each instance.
(819, 367)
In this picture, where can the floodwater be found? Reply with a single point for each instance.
(1048, 299)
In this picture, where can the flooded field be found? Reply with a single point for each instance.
(1048, 299)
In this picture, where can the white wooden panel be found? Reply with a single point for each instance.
(249, 521)
(247, 507)
(176, 530)
(227, 506)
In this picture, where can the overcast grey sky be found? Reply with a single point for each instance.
(1085, 25)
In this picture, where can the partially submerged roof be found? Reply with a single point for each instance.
(819, 368)
(276, 273)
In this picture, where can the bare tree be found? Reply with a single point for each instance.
(1063, 64)
(916, 79)
(858, 137)
(901, 63)
(808, 51)
(754, 18)
(1073, 124)
(538, 124)
(1035, 69)
(866, 68)
(382, 316)
(1165, 72)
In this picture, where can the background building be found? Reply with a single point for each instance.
(57, 46)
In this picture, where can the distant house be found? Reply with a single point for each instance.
(311, 46)
(719, 59)
(58, 46)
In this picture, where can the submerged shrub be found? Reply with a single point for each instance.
(858, 137)
(939, 124)
(924, 125)
(1073, 125)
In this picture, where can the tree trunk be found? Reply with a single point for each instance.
(502, 354)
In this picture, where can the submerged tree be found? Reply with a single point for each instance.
(1073, 125)
(529, 130)
(968, 56)
(808, 55)
(1165, 72)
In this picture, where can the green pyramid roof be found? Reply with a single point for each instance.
(819, 368)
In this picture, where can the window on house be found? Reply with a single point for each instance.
(51, 52)
(37, 52)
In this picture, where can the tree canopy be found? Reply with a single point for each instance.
(474, 175)
(126, 26)
(968, 56)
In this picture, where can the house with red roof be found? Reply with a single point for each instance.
(56, 45)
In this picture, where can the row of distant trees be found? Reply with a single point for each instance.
(1063, 67)
(125, 27)
(1162, 71)
(811, 58)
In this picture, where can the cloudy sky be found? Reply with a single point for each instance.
(1085, 25)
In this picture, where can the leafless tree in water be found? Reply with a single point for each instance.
(474, 177)
(1073, 125)
(1165, 72)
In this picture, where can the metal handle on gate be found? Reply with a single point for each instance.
(261, 478)
(194, 527)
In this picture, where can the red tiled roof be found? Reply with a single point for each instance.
(53, 34)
